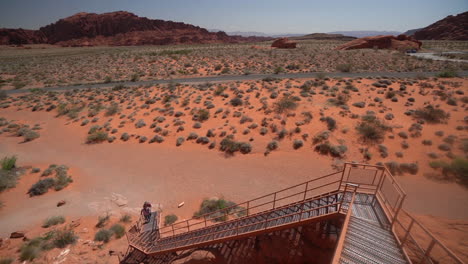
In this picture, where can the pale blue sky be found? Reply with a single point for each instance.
(269, 16)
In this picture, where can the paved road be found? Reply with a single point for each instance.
(251, 77)
(438, 55)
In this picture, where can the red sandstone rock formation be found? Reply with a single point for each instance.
(117, 28)
(449, 28)
(21, 36)
(401, 42)
(283, 43)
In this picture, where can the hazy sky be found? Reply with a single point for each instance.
(269, 16)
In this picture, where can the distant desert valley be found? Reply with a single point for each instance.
(102, 112)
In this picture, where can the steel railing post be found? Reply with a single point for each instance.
(403, 241)
(305, 192)
(274, 200)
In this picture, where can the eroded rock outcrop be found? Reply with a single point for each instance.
(283, 43)
(449, 28)
(116, 29)
(400, 42)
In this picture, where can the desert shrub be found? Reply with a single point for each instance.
(213, 205)
(97, 137)
(157, 138)
(229, 145)
(447, 74)
(103, 235)
(118, 230)
(135, 77)
(203, 140)
(278, 70)
(431, 114)
(140, 123)
(6, 260)
(107, 79)
(102, 221)
(236, 101)
(340, 99)
(180, 141)
(328, 149)
(272, 145)
(245, 148)
(331, 123)
(457, 168)
(126, 218)
(3, 95)
(30, 250)
(9, 163)
(63, 238)
(320, 137)
(8, 179)
(125, 137)
(30, 135)
(371, 130)
(393, 167)
(197, 125)
(412, 168)
(170, 219)
(202, 115)
(297, 143)
(112, 109)
(285, 104)
(344, 67)
(41, 187)
(62, 180)
(54, 220)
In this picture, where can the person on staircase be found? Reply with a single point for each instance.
(146, 212)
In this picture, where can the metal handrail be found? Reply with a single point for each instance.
(256, 223)
(265, 211)
(344, 230)
(392, 209)
(406, 236)
(227, 209)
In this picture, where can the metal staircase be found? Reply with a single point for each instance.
(367, 242)
(367, 197)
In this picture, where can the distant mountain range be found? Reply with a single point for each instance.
(356, 34)
(258, 34)
(365, 33)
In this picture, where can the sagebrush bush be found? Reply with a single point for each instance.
(30, 135)
(118, 230)
(285, 104)
(126, 218)
(457, 168)
(103, 235)
(212, 205)
(431, 114)
(297, 143)
(372, 130)
(112, 109)
(54, 220)
(63, 238)
(102, 221)
(170, 219)
(9, 163)
(97, 137)
(344, 67)
(41, 187)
